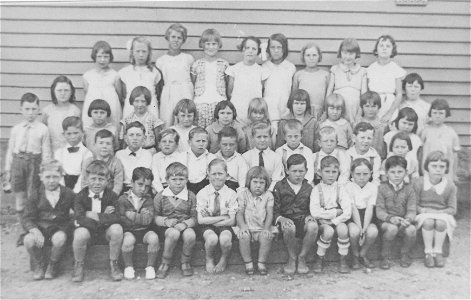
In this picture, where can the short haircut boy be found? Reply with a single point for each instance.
(411, 78)
(99, 104)
(102, 45)
(395, 161)
(362, 127)
(136, 124)
(103, 134)
(142, 173)
(176, 169)
(437, 156)
(58, 80)
(227, 132)
(296, 159)
(72, 121)
(215, 162)
(29, 97)
(440, 104)
(222, 105)
(98, 167)
(258, 172)
(260, 126)
(185, 105)
(329, 161)
(400, 135)
(299, 95)
(370, 97)
(293, 124)
(52, 164)
(195, 131)
(140, 91)
(166, 132)
(327, 130)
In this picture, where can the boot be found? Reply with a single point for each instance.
(38, 264)
(355, 262)
(77, 274)
(343, 267)
(319, 265)
(115, 272)
(51, 271)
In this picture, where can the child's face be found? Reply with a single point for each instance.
(211, 48)
(30, 111)
(436, 170)
(140, 53)
(257, 116)
(257, 186)
(141, 186)
(328, 142)
(361, 175)
(97, 183)
(384, 48)
(175, 40)
(99, 116)
(51, 179)
(104, 146)
(296, 173)
(177, 183)
(199, 143)
(413, 90)
(262, 138)
(405, 125)
(370, 110)
(228, 146)
(276, 51)
(73, 135)
(396, 174)
(293, 138)
(217, 176)
(438, 116)
(330, 174)
(226, 116)
(102, 59)
(168, 145)
(250, 52)
(63, 92)
(135, 138)
(299, 108)
(400, 147)
(348, 58)
(186, 118)
(140, 105)
(363, 140)
(311, 57)
(334, 111)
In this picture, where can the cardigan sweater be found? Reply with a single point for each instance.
(288, 204)
(391, 203)
(40, 214)
(445, 203)
(140, 221)
(181, 210)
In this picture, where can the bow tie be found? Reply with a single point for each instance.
(73, 149)
(97, 196)
(132, 154)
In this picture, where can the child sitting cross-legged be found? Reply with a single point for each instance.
(254, 219)
(175, 216)
(396, 210)
(47, 220)
(217, 208)
(136, 209)
(331, 206)
(291, 214)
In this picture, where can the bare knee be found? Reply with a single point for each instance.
(29, 241)
(327, 232)
(58, 239)
(410, 231)
(128, 242)
(81, 235)
(428, 224)
(189, 235)
(342, 231)
(389, 231)
(152, 238)
(440, 225)
(353, 230)
(371, 231)
(225, 239)
(115, 232)
(210, 239)
(311, 228)
(172, 234)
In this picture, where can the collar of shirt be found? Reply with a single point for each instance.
(212, 190)
(167, 192)
(439, 187)
(219, 155)
(296, 187)
(300, 147)
(92, 194)
(194, 157)
(53, 196)
(397, 187)
(134, 199)
(353, 69)
(323, 154)
(138, 152)
(353, 152)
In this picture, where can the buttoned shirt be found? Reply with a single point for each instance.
(334, 196)
(160, 162)
(53, 196)
(227, 200)
(197, 166)
(72, 162)
(362, 196)
(143, 158)
(272, 163)
(183, 195)
(237, 167)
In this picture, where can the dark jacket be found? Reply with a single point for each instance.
(291, 205)
(140, 221)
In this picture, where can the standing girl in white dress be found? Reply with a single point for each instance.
(102, 82)
(140, 72)
(175, 67)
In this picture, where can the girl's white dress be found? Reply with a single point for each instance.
(177, 83)
(278, 87)
(133, 76)
(101, 85)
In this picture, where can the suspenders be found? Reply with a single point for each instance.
(321, 196)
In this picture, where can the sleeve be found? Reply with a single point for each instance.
(80, 211)
(399, 71)
(193, 68)
(344, 160)
(145, 219)
(158, 210)
(451, 201)
(201, 202)
(233, 205)
(315, 207)
(376, 169)
(346, 205)
(242, 172)
(11, 145)
(118, 179)
(125, 221)
(265, 73)
(193, 213)
(109, 219)
(46, 149)
(278, 171)
(411, 205)
(30, 214)
(157, 183)
(231, 71)
(373, 195)
(381, 212)
(455, 140)
(276, 204)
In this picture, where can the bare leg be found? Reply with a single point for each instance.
(290, 242)
(225, 242)
(210, 242)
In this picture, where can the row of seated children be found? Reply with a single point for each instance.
(299, 211)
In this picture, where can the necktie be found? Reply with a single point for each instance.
(24, 142)
(73, 149)
(261, 163)
(216, 209)
(132, 154)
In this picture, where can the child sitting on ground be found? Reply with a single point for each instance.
(136, 209)
(236, 165)
(175, 214)
(331, 206)
(97, 220)
(291, 214)
(254, 219)
(396, 210)
(217, 208)
(47, 220)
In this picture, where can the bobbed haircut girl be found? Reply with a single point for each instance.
(437, 156)
(404, 136)
(251, 38)
(299, 95)
(143, 40)
(258, 105)
(359, 162)
(178, 28)
(309, 46)
(140, 91)
(208, 35)
(101, 45)
(440, 104)
(386, 37)
(185, 105)
(334, 98)
(259, 173)
(410, 115)
(222, 105)
(411, 78)
(99, 104)
(283, 40)
(58, 80)
(349, 45)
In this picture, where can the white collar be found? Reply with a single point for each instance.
(219, 154)
(80, 145)
(212, 190)
(397, 187)
(167, 192)
(138, 151)
(300, 147)
(293, 185)
(439, 187)
(333, 153)
(92, 194)
(190, 153)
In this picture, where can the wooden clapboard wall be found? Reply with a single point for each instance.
(40, 41)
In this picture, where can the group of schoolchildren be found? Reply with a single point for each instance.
(246, 151)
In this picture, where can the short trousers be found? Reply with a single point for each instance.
(361, 212)
(216, 229)
(50, 231)
(25, 173)
(139, 235)
(299, 225)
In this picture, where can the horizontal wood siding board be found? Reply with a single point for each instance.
(286, 17)
(232, 29)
